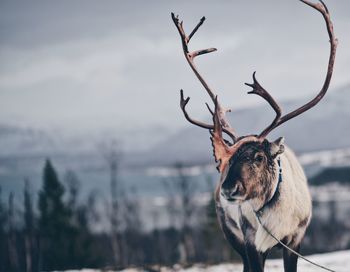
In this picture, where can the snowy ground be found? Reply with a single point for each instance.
(338, 261)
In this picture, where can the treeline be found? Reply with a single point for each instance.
(58, 232)
(54, 234)
(332, 174)
(57, 229)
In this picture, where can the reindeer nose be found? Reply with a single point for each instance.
(229, 193)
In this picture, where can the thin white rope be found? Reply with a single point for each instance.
(291, 250)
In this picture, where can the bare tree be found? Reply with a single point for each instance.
(171, 204)
(130, 207)
(12, 236)
(29, 234)
(112, 154)
(3, 236)
(73, 185)
(181, 190)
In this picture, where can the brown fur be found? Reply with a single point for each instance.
(252, 169)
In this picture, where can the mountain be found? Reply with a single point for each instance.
(324, 127)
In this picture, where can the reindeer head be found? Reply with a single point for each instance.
(251, 171)
(248, 163)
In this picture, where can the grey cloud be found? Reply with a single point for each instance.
(119, 63)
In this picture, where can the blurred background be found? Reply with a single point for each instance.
(99, 168)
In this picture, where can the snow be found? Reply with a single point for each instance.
(333, 191)
(338, 261)
(326, 158)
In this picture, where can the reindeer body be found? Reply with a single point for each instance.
(252, 196)
(286, 216)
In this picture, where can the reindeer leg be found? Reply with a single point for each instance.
(240, 249)
(264, 256)
(235, 243)
(256, 260)
(290, 260)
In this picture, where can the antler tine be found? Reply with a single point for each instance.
(183, 104)
(196, 28)
(257, 89)
(260, 91)
(209, 109)
(190, 56)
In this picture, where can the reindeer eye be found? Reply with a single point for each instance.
(259, 158)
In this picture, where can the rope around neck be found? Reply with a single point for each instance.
(290, 249)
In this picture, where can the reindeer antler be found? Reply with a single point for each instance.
(222, 150)
(259, 90)
(190, 56)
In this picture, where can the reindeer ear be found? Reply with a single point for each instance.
(277, 147)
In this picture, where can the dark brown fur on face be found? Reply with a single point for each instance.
(251, 173)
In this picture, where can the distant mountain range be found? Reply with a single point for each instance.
(324, 127)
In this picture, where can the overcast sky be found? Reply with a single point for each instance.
(94, 65)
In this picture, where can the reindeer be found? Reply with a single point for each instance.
(253, 194)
